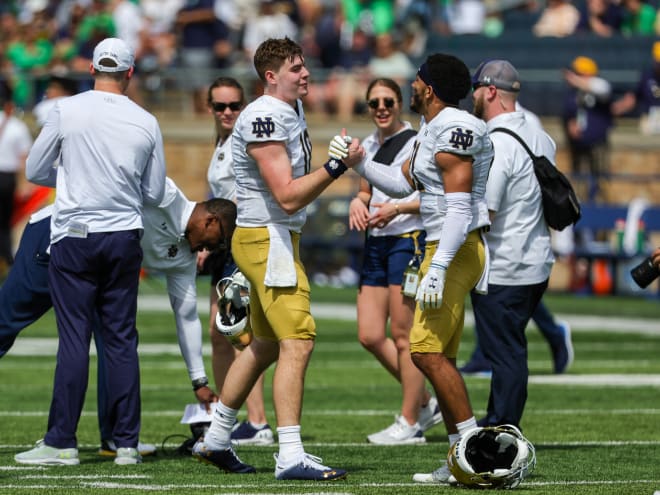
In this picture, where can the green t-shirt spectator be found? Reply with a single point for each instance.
(381, 12)
(98, 25)
(28, 58)
(641, 23)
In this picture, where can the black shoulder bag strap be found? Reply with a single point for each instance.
(517, 138)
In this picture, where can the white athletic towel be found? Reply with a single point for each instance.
(280, 269)
(482, 284)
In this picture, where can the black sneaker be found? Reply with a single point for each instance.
(225, 460)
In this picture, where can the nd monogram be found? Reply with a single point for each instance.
(461, 138)
(261, 127)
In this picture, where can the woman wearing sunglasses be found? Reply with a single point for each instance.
(394, 244)
(225, 100)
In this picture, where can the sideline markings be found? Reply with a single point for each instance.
(165, 487)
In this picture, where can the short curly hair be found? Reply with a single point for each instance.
(450, 77)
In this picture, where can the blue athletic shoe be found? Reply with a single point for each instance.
(247, 434)
(477, 368)
(562, 352)
(308, 467)
(225, 460)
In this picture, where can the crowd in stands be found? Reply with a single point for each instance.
(347, 42)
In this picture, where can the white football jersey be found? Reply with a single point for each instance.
(268, 119)
(164, 246)
(461, 133)
(221, 176)
(405, 222)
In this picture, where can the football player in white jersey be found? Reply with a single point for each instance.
(111, 164)
(449, 166)
(274, 184)
(226, 99)
(395, 239)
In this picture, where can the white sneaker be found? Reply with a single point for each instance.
(127, 455)
(307, 467)
(109, 449)
(43, 455)
(442, 475)
(399, 433)
(430, 414)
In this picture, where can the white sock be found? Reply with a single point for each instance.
(466, 425)
(291, 447)
(453, 438)
(219, 435)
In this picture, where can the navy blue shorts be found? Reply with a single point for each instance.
(386, 257)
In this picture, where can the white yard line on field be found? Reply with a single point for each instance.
(348, 312)
(300, 485)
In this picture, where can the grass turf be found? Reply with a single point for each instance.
(595, 428)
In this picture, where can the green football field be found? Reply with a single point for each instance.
(596, 429)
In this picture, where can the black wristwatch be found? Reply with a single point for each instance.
(198, 383)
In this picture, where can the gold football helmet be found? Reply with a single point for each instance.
(492, 457)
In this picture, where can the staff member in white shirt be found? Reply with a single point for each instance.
(15, 142)
(111, 163)
(518, 241)
(169, 230)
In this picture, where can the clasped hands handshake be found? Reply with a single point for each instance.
(346, 149)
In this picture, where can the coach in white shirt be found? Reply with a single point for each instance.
(173, 233)
(111, 163)
(518, 242)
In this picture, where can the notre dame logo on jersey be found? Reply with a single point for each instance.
(461, 138)
(172, 250)
(263, 126)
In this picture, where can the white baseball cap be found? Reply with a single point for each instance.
(116, 50)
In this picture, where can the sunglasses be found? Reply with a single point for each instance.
(374, 102)
(219, 106)
(477, 85)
